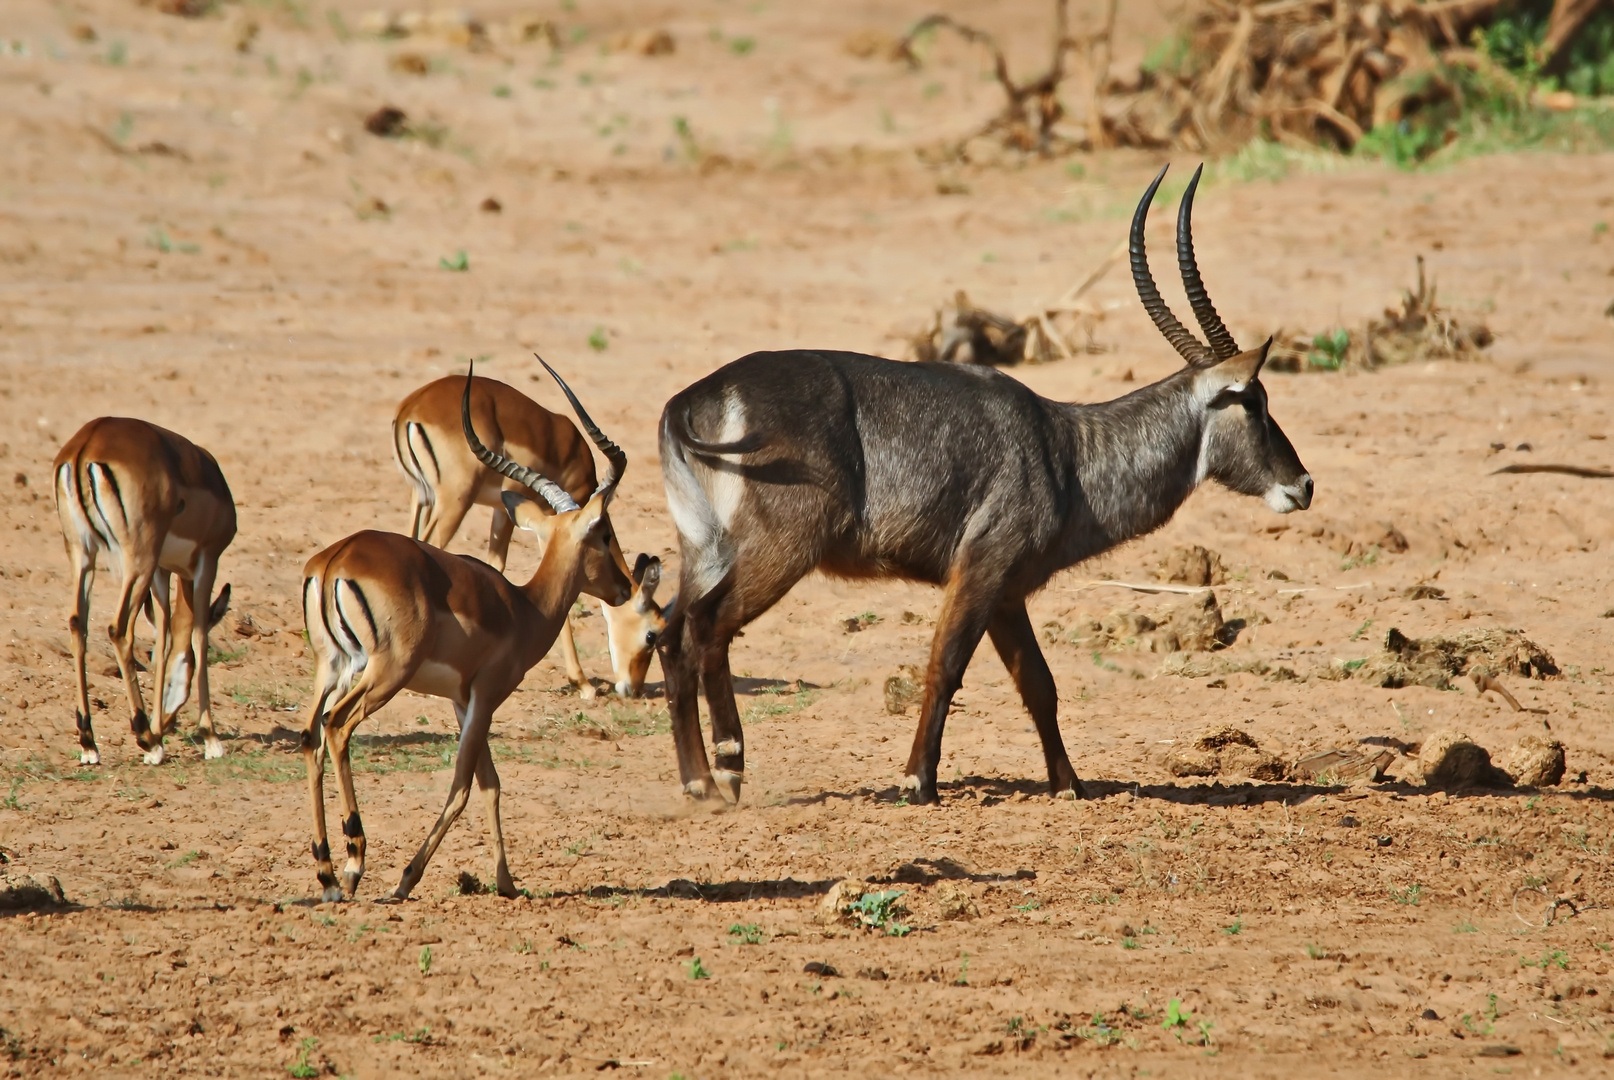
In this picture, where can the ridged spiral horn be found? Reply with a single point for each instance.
(618, 461)
(552, 493)
(1221, 342)
(1186, 344)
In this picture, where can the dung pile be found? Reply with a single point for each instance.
(1195, 625)
(1450, 759)
(30, 893)
(1225, 750)
(1434, 661)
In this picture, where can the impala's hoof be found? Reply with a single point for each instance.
(332, 894)
(212, 749)
(586, 692)
(91, 756)
(729, 783)
(154, 756)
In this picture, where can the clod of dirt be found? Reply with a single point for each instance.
(842, 894)
(868, 44)
(955, 902)
(648, 42)
(1424, 592)
(387, 122)
(1433, 661)
(30, 893)
(409, 63)
(904, 687)
(184, 9)
(490, 205)
(1192, 566)
(1450, 759)
(820, 968)
(1225, 750)
(1536, 761)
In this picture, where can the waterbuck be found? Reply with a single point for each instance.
(785, 462)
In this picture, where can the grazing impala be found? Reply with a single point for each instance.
(387, 612)
(782, 463)
(159, 504)
(448, 480)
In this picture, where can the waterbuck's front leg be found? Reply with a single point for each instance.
(972, 595)
(1016, 643)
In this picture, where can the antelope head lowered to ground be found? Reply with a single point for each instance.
(782, 463)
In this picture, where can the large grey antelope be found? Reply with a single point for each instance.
(448, 480)
(387, 613)
(785, 462)
(159, 505)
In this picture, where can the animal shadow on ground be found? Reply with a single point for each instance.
(712, 892)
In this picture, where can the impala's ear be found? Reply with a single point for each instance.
(1238, 371)
(529, 513)
(647, 572)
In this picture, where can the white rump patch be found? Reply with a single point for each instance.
(704, 503)
(178, 553)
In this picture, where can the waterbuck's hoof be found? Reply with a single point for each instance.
(212, 749)
(92, 756)
(332, 894)
(154, 756)
(729, 783)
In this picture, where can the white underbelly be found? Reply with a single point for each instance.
(437, 679)
(178, 553)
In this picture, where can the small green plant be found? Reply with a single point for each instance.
(1465, 927)
(158, 238)
(460, 263)
(117, 54)
(424, 960)
(302, 1068)
(1409, 896)
(1236, 929)
(1099, 1032)
(697, 970)
(185, 859)
(420, 1037)
(1130, 943)
(1356, 635)
(11, 801)
(597, 340)
(1328, 350)
(1552, 958)
(746, 933)
(1315, 952)
(963, 976)
(742, 46)
(501, 91)
(1030, 905)
(879, 911)
(123, 128)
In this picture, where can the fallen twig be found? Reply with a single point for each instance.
(1562, 470)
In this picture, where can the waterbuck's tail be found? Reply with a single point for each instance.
(700, 514)
(675, 422)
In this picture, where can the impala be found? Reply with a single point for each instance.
(448, 480)
(159, 505)
(782, 463)
(387, 613)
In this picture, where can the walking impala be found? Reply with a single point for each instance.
(782, 463)
(159, 505)
(387, 612)
(448, 480)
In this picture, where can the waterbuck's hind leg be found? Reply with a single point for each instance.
(679, 670)
(1016, 643)
(967, 606)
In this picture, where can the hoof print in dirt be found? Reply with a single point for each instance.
(1225, 751)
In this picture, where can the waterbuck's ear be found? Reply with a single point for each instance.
(528, 513)
(1237, 371)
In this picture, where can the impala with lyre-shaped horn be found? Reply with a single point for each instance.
(448, 480)
(387, 612)
(158, 504)
(782, 463)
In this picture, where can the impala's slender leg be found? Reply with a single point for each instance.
(574, 667)
(131, 598)
(176, 688)
(502, 528)
(201, 618)
(417, 514)
(1016, 643)
(487, 778)
(682, 676)
(446, 515)
(473, 743)
(78, 625)
(161, 651)
(375, 687)
(966, 609)
(313, 744)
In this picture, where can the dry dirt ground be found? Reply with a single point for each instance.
(187, 235)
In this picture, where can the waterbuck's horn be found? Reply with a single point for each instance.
(617, 460)
(1221, 342)
(1186, 344)
(546, 489)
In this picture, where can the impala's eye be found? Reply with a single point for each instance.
(650, 637)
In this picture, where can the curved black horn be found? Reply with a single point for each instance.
(613, 453)
(1186, 344)
(546, 489)
(1221, 342)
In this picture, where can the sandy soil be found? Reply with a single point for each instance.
(186, 236)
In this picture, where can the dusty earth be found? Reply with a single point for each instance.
(194, 233)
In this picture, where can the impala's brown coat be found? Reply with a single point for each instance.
(159, 504)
